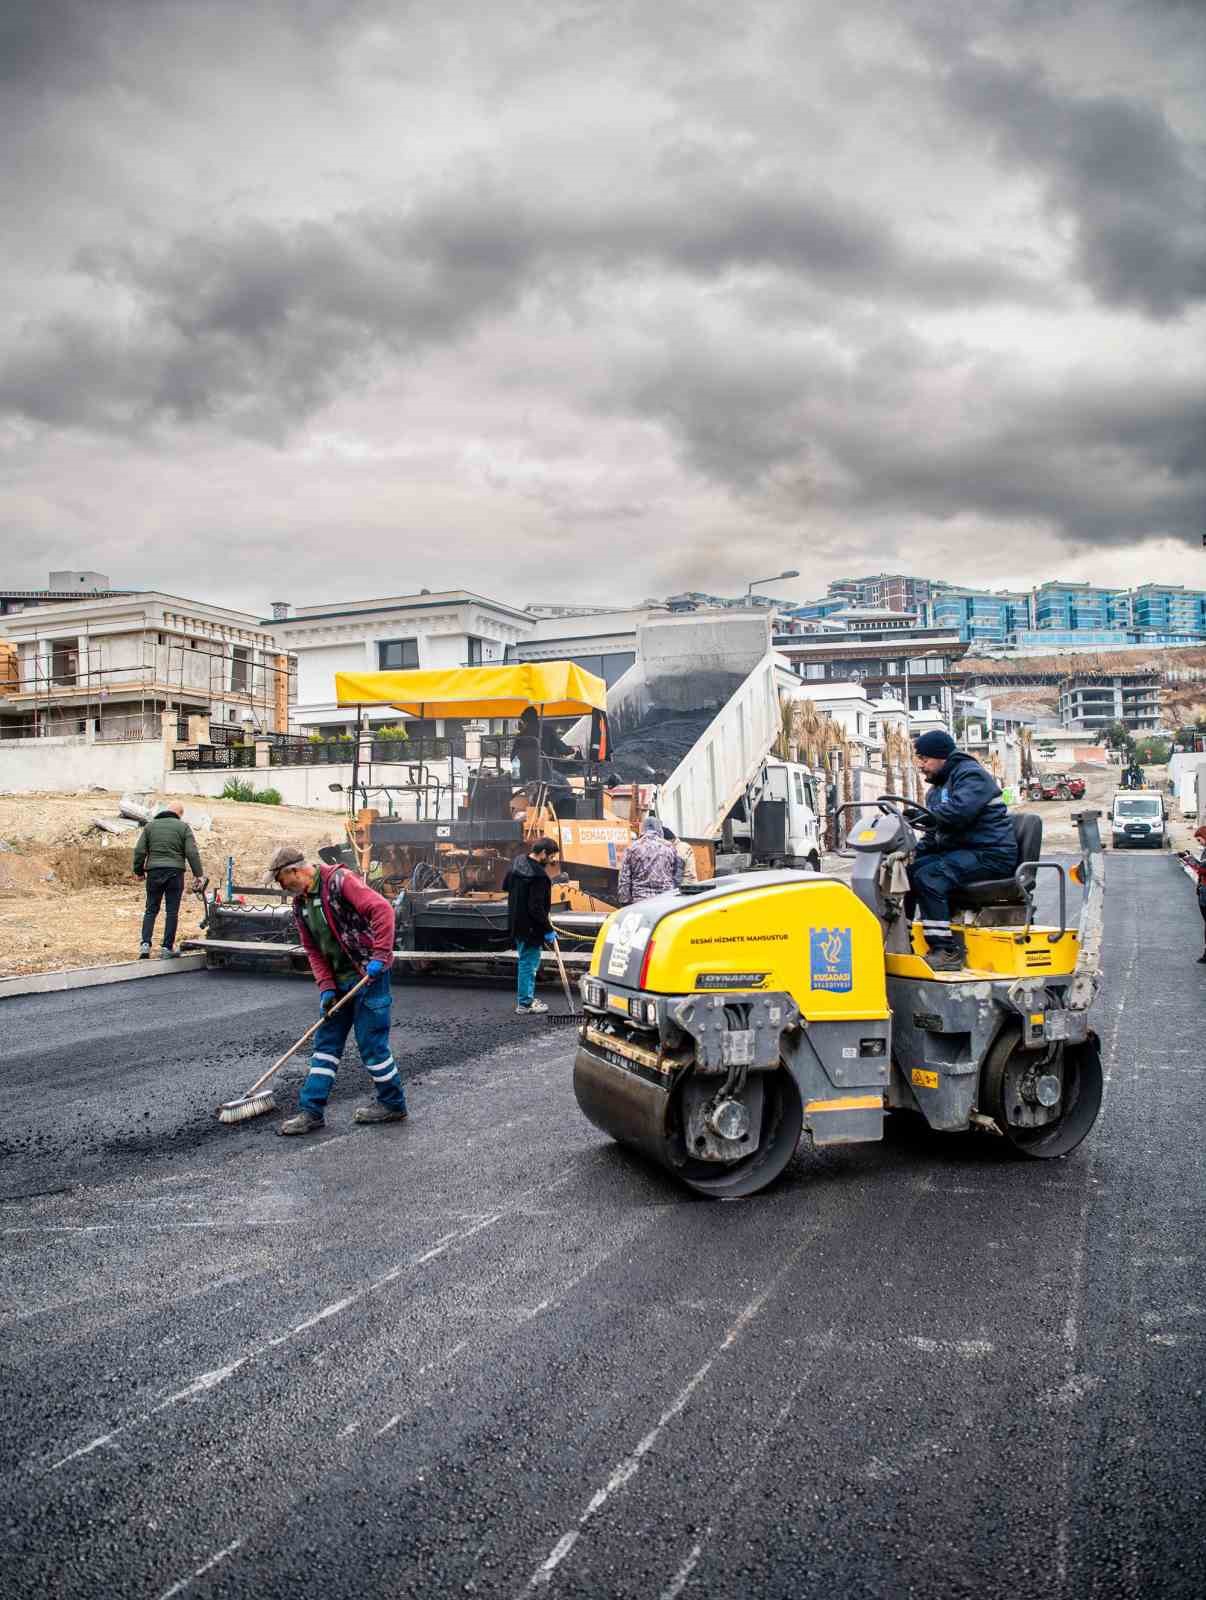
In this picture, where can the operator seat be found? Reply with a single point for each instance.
(1012, 891)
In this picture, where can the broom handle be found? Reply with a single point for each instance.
(564, 975)
(309, 1034)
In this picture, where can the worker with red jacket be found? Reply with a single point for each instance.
(347, 932)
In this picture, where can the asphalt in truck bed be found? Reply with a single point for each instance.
(490, 1353)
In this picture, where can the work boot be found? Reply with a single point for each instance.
(527, 1011)
(376, 1112)
(1202, 959)
(168, 954)
(945, 959)
(303, 1122)
(144, 952)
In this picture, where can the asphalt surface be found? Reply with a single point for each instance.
(489, 1353)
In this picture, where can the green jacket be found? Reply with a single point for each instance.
(167, 841)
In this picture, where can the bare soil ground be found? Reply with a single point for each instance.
(68, 896)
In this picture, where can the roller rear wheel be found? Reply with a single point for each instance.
(1008, 1099)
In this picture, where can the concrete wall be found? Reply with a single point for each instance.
(70, 765)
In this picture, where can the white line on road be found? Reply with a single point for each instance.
(210, 1380)
(1071, 1328)
(631, 1464)
(179, 1588)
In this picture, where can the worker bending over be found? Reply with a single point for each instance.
(347, 931)
(973, 839)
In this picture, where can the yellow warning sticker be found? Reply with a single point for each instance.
(1036, 1019)
(867, 833)
(924, 1079)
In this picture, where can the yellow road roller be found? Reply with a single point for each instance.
(724, 1019)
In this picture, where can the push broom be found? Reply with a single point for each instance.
(563, 1019)
(257, 1100)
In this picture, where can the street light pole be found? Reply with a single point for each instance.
(757, 583)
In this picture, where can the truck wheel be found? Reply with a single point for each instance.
(1003, 1096)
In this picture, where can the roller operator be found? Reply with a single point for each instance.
(972, 838)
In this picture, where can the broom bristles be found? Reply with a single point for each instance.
(252, 1105)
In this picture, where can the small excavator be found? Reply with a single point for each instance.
(724, 1019)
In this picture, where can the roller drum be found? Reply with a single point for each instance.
(644, 1116)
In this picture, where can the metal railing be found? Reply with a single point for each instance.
(211, 757)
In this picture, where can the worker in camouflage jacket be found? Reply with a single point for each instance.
(347, 932)
(165, 847)
(650, 866)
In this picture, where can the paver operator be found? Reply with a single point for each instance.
(973, 839)
(165, 847)
(347, 932)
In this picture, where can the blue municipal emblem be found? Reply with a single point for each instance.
(830, 963)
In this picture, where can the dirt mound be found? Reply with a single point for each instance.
(92, 867)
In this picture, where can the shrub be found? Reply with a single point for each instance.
(392, 730)
(245, 792)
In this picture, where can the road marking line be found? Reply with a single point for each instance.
(679, 1581)
(1071, 1329)
(631, 1463)
(179, 1588)
(211, 1380)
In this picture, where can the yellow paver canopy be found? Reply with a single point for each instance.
(555, 688)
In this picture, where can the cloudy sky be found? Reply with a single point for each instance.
(592, 299)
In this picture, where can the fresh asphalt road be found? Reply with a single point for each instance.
(489, 1353)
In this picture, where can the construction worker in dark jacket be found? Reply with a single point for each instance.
(347, 932)
(165, 847)
(529, 889)
(972, 839)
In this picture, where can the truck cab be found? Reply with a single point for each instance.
(1138, 821)
(777, 824)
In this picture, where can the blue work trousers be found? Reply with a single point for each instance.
(529, 965)
(368, 1013)
(934, 876)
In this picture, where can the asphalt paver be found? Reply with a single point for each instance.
(488, 1352)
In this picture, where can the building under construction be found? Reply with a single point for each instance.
(111, 668)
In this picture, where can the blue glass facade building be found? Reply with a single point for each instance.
(979, 616)
(1168, 608)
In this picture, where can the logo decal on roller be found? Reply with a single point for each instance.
(830, 959)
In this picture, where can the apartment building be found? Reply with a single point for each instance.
(109, 668)
(449, 628)
(64, 587)
(913, 664)
(1093, 702)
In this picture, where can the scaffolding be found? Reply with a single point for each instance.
(67, 684)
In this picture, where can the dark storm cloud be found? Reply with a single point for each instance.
(1111, 164)
(70, 44)
(1093, 463)
(258, 325)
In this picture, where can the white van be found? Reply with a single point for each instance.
(1139, 821)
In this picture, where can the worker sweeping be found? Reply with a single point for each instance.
(973, 839)
(347, 932)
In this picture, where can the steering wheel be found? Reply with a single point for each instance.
(897, 805)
